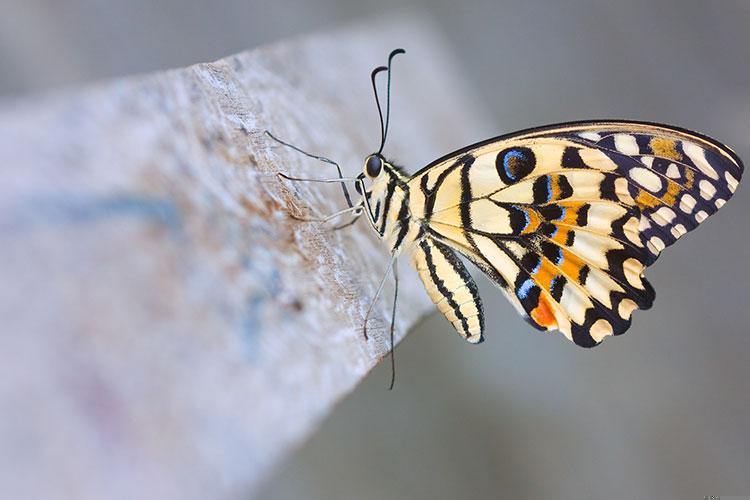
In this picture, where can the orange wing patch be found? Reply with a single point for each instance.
(543, 315)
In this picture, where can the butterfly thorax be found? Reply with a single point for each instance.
(388, 199)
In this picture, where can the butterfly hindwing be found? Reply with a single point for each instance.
(566, 218)
(451, 287)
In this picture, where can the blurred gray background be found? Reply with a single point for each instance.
(661, 412)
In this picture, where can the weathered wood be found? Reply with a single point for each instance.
(169, 330)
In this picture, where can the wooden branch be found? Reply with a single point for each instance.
(170, 331)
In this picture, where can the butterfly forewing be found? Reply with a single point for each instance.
(566, 218)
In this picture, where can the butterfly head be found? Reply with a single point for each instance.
(379, 177)
(375, 171)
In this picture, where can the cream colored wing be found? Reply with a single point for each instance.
(566, 218)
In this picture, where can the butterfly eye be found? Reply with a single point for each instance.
(373, 166)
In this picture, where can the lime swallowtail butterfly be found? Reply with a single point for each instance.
(563, 218)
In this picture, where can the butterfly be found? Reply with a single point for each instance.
(563, 218)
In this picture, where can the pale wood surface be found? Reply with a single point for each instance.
(168, 330)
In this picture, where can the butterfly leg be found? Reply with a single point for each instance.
(326, 181)
(451, 288)
(347, 224)
(377, 293)
(320, 158)
(393, 325)
(355, 211)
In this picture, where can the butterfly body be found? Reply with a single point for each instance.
(564, 219)
(449, 284)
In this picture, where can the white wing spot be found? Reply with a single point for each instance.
(600, 329)
(698, 156)
(656, 245)
(707, 189)
(731, 182)
(647, 160)
(665, 216)
(701, 216)
(590, 136)
(632, 269)
(720, 203)
(646, 178)
(597, 159)
(687, 203)
(621, 190)
(625, 143)
(678, 230)
(626, 308)
(631, 231)
(673, 172)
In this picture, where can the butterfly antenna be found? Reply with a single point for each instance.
(377, 101)
(393, 54)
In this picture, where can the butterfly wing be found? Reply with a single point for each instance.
(451, 287)
(566, 218)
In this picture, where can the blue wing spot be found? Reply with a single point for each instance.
(519, 219)
(560, 257)
(542, 189)
(549, 187)
(513, 164)
(525, 288)
(548, 229)
(553, 252)
(536, 268)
